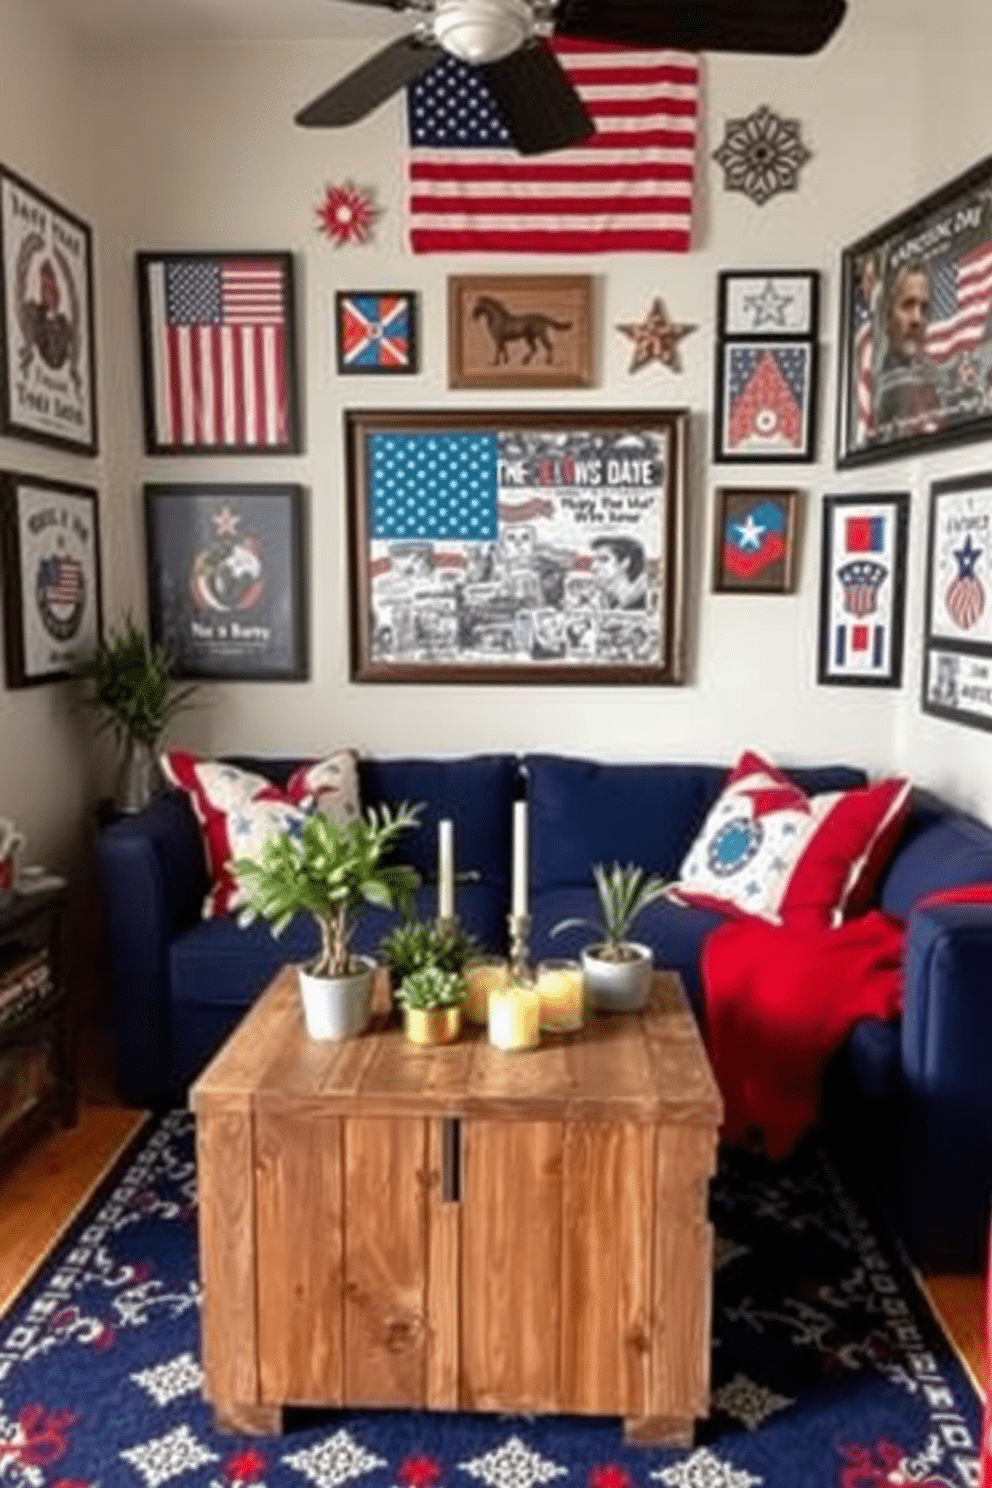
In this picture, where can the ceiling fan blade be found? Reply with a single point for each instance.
(540, 107)
(359, 92)
(789, 27)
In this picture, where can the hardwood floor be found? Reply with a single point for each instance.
(41, 1195)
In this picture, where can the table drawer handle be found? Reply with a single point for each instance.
(451, 1160)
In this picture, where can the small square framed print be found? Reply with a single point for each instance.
(862, 590)
(776, 302)
(520, 330)
(754, 549)
(375, 331)
(765, 401)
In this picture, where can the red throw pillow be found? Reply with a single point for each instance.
(239, 811)
(768, 849)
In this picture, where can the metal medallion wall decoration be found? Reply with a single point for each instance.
(916, 327)
(957, 642)
(656, 338)
(761, 155)
(766, 366)
(376, 331)
(348, 214)
(51, 577)
(862, 590)
(48, 367)
(226, 581)
(517, 547)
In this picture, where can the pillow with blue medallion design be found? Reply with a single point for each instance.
(769, 850)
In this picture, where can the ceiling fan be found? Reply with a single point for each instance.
(507, 40)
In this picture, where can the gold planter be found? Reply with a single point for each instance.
(432, 1025)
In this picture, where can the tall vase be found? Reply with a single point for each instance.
(140, 778)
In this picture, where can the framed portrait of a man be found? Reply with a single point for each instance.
(916, 327)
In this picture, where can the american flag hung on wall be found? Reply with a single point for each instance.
(627, 188)
(218, 347)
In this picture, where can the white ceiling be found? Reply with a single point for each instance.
(136, 21)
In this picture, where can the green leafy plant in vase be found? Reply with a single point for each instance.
(328, 870)
(617, 970)
(431, 999)
(130, 684)
(416, 943)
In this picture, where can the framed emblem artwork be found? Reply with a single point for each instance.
(48, 366)
(862, 590)
(226, 585)
(52, 603)
(755, 541)
(375, 330)
(519, 330)
(957, 641)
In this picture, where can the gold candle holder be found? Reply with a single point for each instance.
(515, 1015)
(560, 985)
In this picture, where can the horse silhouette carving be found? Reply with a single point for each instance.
(505, 327)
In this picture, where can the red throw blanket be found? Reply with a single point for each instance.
(779, 1000)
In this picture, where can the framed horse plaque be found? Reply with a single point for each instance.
(520, 331)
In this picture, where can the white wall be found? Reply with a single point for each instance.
(195, 148)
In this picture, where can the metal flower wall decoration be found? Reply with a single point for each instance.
(347, 214)
(761, 155)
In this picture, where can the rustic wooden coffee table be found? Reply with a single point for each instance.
(458, 1228)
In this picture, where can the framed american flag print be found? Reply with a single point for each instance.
(862, 589)
(218, 353)
(516, 546)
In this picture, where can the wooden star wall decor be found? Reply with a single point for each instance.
(656, 338)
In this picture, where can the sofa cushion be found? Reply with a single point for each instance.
(239, 811)
(939, 849)
(768, 850)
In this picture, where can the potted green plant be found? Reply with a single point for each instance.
(328, 870)
(131, 686)
(416, 943)
(431, 999)
(617, 970)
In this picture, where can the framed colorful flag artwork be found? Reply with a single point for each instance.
(52, 605)
(375, 331)
(226, 580)
(754, 549)
(862, 590)
(957, 642)
(516, 546)
(218, 353)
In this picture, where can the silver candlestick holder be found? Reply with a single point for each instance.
(519, 939)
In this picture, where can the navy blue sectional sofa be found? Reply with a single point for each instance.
(908, 1104)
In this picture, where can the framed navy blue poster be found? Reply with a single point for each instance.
(226, 586)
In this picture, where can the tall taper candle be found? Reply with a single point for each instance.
(519, 903)
(445, 870)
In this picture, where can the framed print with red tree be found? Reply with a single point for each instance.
(755, 540)
(862, 590)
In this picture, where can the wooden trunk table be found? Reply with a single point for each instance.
(458, 1228)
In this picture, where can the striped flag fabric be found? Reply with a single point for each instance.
(218, 344)
(960, 303)
(628, 188)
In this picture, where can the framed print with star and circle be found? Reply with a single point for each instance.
(52, 605)
(862, 590)
(957, 640)
(48, 366)
(776, 302)
(226, 580)
(516, 546)
(375, 331)
(218, 353)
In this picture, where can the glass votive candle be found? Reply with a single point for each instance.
(480, 977)
(562, 991)
(515, 1015)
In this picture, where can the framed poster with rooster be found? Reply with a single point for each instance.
(957, 642)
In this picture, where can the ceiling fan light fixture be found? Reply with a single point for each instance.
(482, 30)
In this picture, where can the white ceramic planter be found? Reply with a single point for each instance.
(618, 986)
(337, 1007)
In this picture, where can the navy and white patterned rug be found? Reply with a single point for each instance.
(828, 1367)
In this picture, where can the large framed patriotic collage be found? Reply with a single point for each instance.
(540, 547)
(957, 641)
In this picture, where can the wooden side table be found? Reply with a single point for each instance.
(38, 1082)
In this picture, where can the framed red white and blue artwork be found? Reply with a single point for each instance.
(862, 589)
(376, 331)
(218, 353)
(957, 643)
(755, 541)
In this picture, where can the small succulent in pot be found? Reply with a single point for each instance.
(624, 892)
(430, 988)
(417, 943)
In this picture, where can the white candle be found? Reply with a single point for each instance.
(480, 978)
(519, 903)
(514, 1017)
(445, 870)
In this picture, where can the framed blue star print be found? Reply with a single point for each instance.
(957, 641)
(516, 546)
(766, 366)
(375, 331)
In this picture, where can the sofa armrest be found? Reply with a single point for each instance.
(946, 1058)
(153, 879)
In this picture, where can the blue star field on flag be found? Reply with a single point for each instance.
(434, 487)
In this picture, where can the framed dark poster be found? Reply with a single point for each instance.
(226, 586)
